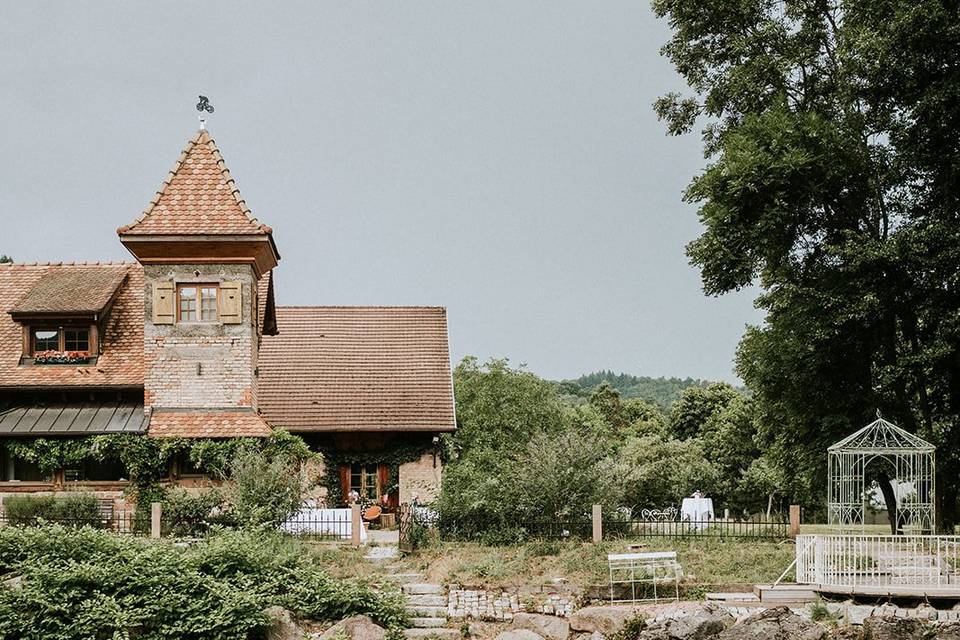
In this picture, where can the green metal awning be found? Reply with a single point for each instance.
(73, 419)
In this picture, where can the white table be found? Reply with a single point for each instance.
(697, 510)
(329, 522)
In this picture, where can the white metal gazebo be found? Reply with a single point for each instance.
(909, 462)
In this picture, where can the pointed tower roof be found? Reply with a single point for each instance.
(199, 196)
(199, 215)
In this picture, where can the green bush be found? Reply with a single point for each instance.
(187, 514)
(76, 509)
(91, 584)
(263, 489)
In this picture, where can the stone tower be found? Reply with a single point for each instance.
(208, 298)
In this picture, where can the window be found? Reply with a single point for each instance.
(365, 481)
(76, 340)
(198, 303)
(104, 470)
(46, 340)
(71, 339)
(16, 470)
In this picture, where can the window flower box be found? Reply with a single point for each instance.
(61, 357)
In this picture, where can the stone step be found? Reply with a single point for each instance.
(406, 578)
(427, 612)
(426, 600)
(426, 634)
(381, 554)
(422, 588)
(427, 623)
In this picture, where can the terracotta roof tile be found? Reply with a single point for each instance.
(72, 290)
(206, 424)
(357, 368)
(120, 364)
(198, 197)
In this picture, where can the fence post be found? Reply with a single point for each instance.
(794, 520)
(597, 523)
(355, 525)
(156, 511)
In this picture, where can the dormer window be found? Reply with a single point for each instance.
(198, 303)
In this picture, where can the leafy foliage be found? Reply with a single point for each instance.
(262, 489)
(76, 509)
(830, 130)
(80, 584)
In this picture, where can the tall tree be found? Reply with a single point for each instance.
(832, 134)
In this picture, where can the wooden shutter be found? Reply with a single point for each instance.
(345, 483)
(163, 303)
(231, 307)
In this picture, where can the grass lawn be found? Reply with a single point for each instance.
(707, 564)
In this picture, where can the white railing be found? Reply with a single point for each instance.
(876, 561)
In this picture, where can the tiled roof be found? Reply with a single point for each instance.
(206, 424)
(198, 197)
(121, 363)
(266, 308)
(72, 290)
(357, 368)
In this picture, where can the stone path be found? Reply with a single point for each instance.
(426, 602)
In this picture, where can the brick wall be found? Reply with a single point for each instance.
(420, 479)
(200, 365)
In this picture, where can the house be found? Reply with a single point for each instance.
(187, 342)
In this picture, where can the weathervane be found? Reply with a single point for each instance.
(204, 105)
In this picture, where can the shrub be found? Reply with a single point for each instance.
(263, 489)
(194, 514)
(75, 509)
(90, 584)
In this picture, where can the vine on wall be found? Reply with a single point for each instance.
(393, 457)
(147, 460)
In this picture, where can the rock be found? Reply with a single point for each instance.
(949, 631)
(603, 619)
(778, 623)
(888, 628)
(282, 626)
(698, 625)
(356, 628)
(519, 634)
(432, 634)
(15, 583)
(550, 627)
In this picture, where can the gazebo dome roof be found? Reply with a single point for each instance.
(882, 436)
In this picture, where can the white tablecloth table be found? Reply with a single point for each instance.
(329, 522)
(697, 510)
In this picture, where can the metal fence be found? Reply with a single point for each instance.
(773, 529)
(878, 561)
(121, 521)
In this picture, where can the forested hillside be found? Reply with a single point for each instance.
(661, 391)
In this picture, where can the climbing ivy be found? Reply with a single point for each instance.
(148, 460)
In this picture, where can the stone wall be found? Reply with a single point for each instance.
(502, 605)
(200, 365)
(420, 479)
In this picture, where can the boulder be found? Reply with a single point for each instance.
(887, 628)
(282, 626)
(778, 623)
(550, 627)
(603, 619)
(355, 628)
(709, 621)
(519, 634)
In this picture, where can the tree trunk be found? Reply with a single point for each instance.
(890, 498)
(769, 505)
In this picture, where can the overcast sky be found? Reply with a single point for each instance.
(497, 158)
